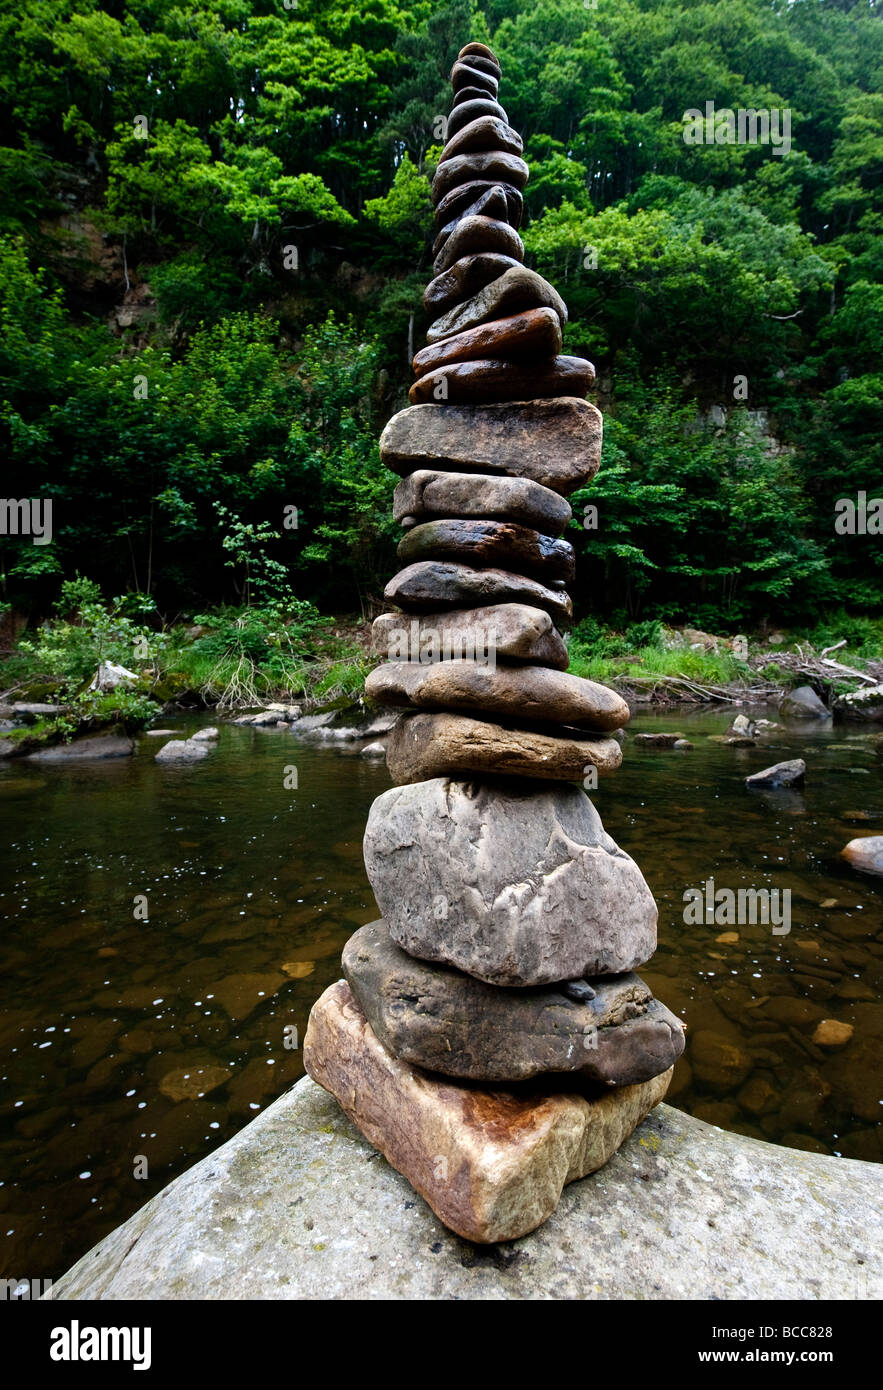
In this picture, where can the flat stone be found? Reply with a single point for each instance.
(490, 1164)
(481, 50)
(865, 854)
(435, 584)
(554, 442)
(486, 132)
(517, 692)
(516, 289)
(468, 111)
(466, 278)
(489, 379)
(241, 993)
(804, 703)
(717, 1061)
(424, 745)
(830, 1032)
(504, 629)
(466, 75)
(441, 1020)
(469, 94)
(493, 166)
(92, 746)
(475, 234)
(295, 1207)
(189, 1083)
(863, 704)
(207, 735)
(511, 882)
(536, 334)
(428, 492)
(182, 750)
(658, 740)
(732, 740)
(489, 201)
(786, 774)
(499, 544)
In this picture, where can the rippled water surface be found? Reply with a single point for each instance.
(111, 1025)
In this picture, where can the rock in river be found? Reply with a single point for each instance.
(865, 854)
(787, 774)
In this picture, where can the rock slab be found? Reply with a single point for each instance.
(490, 1164)
(298, 1207)
(513, 884)
(443, 1021)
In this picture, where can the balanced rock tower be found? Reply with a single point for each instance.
(490, 1037)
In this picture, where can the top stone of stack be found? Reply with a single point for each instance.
(497, 331)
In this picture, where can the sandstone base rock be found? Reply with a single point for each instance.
(491, 1164)
(441, 1020)
(422, 746)
(513, 884)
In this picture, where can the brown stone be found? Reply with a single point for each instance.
(480, 50)
(423, 746)
(442, 1020)
(491, 201)
(471, 76)
(428, 492)
(494, 379)
(496, 543)
(492, 165)
(464, 279)
(516, 692)
(432, 584)
(464, 200)
(474, 234)
(535, 333)
(515, 290)
(490, 1164)
(484, 133)
(189, 1083)
(468, 111)
(465, 94)
(830, 1032)
(554, 442)
(512, 630)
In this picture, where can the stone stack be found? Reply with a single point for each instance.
(491, 1038)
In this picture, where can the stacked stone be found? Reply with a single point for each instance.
(491, 1038)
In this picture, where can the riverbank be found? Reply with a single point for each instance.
(299, 1206)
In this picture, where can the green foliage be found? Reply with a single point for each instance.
(247, 188)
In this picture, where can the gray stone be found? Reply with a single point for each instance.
(499, 544)
(424, 745)
(207, 735)
(435, 584)
(374, 750)
(658, 740)
(489, 201)
(803, 703)
(865, 704)
(431, 493)
(554, 442)
(182, 750)
(92, 746)
(865, 854)
(468, 111)
(444, 1021)
(786, 774)
(298, 1207)
(515, 884)
(503, 630)
(517, 692)
(515, 290)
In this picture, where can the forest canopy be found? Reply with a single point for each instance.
(216, 229)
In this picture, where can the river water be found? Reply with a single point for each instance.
(167, 928)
